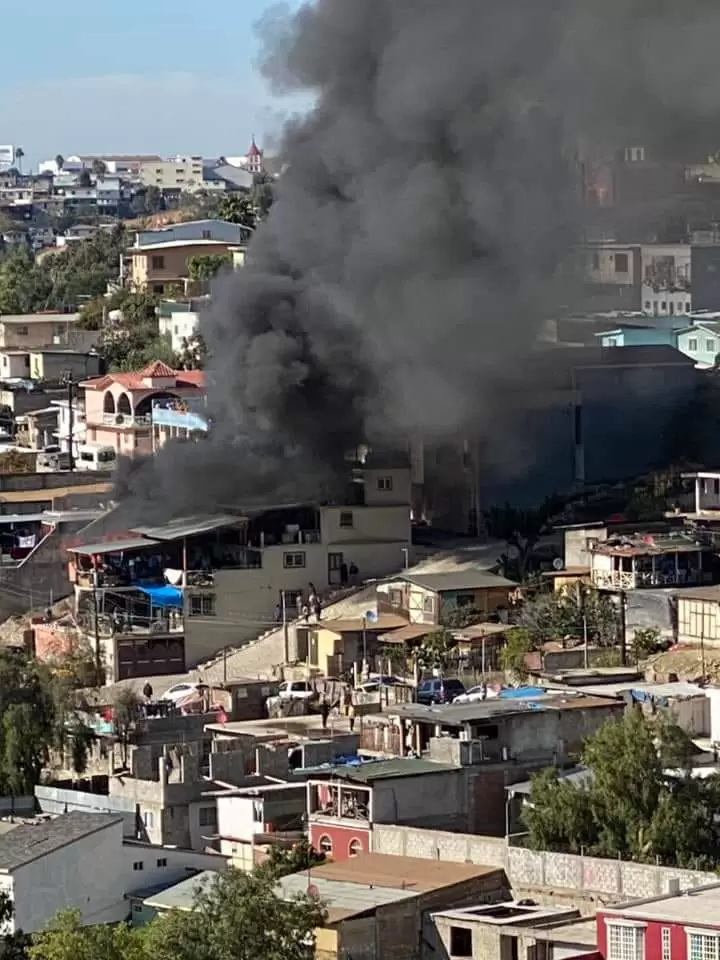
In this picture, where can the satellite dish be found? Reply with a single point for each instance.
(313, 892)
(558, 564)
(371, 616)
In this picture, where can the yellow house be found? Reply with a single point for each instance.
(160, 267)
(334, 646)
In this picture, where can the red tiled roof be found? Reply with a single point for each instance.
(157, 369)
(136, 380)
(254, 150)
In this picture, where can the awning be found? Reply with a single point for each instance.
(188, 527)
(113, 546)
(169, 597)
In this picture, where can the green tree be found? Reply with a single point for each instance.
(67, 939)
(205, 269)
(24, 286)
(283, 861)
(59, 161)
(272, 929)
(522, 529)
(125, 714)
(262, 195)
(570, 613)
(644, 642)
(237, 208)
(640, 801)
(512, 656)
(148, 201)
(19, 154)
(193, 355)
(99, 168)
(436, 650)
(84, 179)
(13, 946)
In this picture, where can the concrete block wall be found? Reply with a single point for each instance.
(272, 762)
(574, 876)
(228, 762)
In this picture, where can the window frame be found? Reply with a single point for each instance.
(346, 520)
(692, 344)
(705, 934)
(325, 845)
(157, 261)
(355, 847)
(385, 483)
(619, 926)
(456, 950)
(202, 605)
(624, 258)
(290, 564)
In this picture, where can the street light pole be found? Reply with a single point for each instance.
(71, 418)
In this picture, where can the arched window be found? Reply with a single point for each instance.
(108, 402)
(325, 845)
(123, 404)
(355, 847)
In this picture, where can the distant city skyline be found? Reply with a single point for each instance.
(168, 77)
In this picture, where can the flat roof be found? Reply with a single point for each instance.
(25, 318)
(411, 874)
(31, 841)
(458, 580)
(385, 621)
(113, 546)
(519, 913)
(343, 899)
(188, 526)
(578, 777)
(700, 593)
(150, 247)
(181, 896)
(700, 905)
(375, 770)
(458, 714)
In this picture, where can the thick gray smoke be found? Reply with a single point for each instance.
(414, 248)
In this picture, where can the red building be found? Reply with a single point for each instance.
(346, 801)
(681, 926)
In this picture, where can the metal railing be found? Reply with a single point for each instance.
(628, 580)
(126, 420)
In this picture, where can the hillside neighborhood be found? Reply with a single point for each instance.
(360, 503)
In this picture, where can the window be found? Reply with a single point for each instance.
(202, 605)
(460, 942)
(626, 942)
(21, 331)
(692, 345)
(206, 235)
(162, 862)
(396, 598)
(325, 845)
(710, 345)
(611, 342)
(384, 483)
(621, 263)
(291, 561)
(346, 518)
(596, 261)
(355, 847)
(148, 819)
(158, 262)
(663, 305)
(138, 865)
(465, 599)
(666, 948)
(208, 816)
(703, 946)
(428, 604)
(647, 305)
(159, 289)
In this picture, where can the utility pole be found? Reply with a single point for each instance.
(623, 627)
(286, 637)
(96, 628)
(71, 418)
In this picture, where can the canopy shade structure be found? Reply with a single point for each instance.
(165, 597)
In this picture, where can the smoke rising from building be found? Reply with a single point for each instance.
(415, 245)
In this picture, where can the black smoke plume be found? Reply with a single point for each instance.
(430, 198)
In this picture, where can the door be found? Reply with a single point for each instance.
(335, 562)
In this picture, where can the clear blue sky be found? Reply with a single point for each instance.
(134, 76)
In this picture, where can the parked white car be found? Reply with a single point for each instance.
(474, 694)
(180, 691)
(296, 690)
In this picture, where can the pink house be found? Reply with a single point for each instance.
(118, 406)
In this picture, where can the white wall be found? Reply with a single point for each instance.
(181, 326)
(85, 874)
(94, 874)
(235, 818)
(381, 523)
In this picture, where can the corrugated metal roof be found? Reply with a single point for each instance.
(182, 895)
(342, 895)
(460, 580)
(188, 527)
(389, 769)
(113, 546)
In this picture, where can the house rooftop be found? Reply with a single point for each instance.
(639, 544)
(181, 896)
(700, 593)
(472, 579)
(30, 842)
(511, 912)
(342, 899)
(171, 244)
(51, 317)
(372, 771)
(698, 906)
(458, 714)
(412, 874)
(383, 621)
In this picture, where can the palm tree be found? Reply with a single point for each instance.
(19, 154)
(59, 162)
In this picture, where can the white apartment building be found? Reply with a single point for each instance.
(80, 860)
(179, 326)
(176, 173)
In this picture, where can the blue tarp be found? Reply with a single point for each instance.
(164, 596)
(521, 693)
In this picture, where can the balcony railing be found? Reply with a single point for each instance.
(628, 580)
(126, 420)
